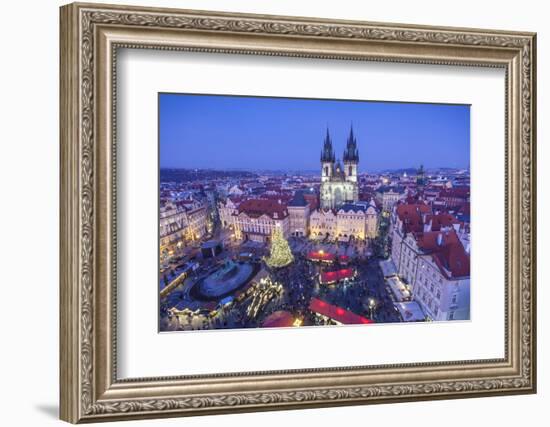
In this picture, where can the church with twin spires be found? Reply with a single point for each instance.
(340, 216)
(339, 181)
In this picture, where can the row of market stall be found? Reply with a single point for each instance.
(325, 311)
(334, 276)
(327, 257)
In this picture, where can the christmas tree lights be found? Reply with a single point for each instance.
(280, 254)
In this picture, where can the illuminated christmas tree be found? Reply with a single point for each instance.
(280, 254)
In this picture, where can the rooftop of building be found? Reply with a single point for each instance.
(447, 252)
(391, 188)
(255, 208)
(460, 192)
(312, 200)
(441, 220)
(298, 200)
(411, 216)
(357, 206)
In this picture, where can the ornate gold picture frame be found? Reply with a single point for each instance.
(90, 36)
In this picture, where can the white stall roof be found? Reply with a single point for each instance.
(388, 268)
(398, 288)
(410, 311)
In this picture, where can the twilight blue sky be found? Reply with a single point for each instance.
(232, 132)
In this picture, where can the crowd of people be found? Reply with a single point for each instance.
(300, 281)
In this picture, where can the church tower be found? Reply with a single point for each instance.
(327, 159)
(421, 176)
(351, 158)
(339, 183)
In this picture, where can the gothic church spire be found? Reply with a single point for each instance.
(327, 154)
(351, 153)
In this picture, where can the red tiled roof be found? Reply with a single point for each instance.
(312, 201)
(411, 216)
(447, 252)
(412, 199)
(255, 208)
(335, 276)
(453, 258)
(337, 313)
(283, 196)
(442, 220)
(455, 192)
(429, 241)
(236, 199)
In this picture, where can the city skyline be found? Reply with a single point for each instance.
(434, 135)
(309, 171)
(268, 218)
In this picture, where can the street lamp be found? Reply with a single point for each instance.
(372, 305)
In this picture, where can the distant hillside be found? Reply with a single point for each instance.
(408, 171)
(413, 171)
(184, 175)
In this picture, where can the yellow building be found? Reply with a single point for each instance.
(352, 221)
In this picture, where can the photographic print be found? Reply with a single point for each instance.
(291, 212)
(294, 177)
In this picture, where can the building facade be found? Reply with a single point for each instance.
(357, 220)
(299, 212)
(389, 196)
(181, 223)
(372, 216)
(322, 224)
(227, 209)
(430, 257)
(442, 285)
(172, 227)
(257, 218)
(197, 220)
(352, 221)
(406, 218)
